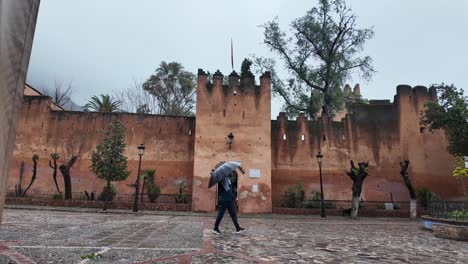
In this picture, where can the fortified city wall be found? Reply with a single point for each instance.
(168, 141)
(276, 153)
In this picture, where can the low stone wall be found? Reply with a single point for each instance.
(339, 212)
(444, 221)
(97, 204)
(455, 232)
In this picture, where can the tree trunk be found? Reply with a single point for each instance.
(33, 178)
(106, 196)
(143, 189)
(54, 175)
(65, 170)
(413, 210)
(66, 181)
(413, 201)
(357, 175)
(355, 207)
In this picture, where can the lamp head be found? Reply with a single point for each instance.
(141, 149)
(319, 157)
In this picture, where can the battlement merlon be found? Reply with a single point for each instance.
(234, 80)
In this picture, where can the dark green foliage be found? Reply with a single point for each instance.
(108, 161)
(174, 89)
(143, 109)
(91, 256)
(295, 196)
(450, 113)
(108, 193)
(460, 215)
(321, 52)
(57, 196)
(103, 104)
(314, 201)
(245, 70)
(182, 196)
(153, 189)
(425, 196)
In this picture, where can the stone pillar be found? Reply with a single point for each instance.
(17, 26)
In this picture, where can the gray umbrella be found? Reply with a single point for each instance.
(223, 171)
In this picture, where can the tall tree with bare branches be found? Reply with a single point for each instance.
(135, 99)
(61, 94)
(322, 52)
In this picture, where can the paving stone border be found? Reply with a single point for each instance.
(339, 212)
(97, 204)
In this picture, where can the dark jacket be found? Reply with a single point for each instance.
(225, 196)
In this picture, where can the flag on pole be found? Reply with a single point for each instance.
(232, 56)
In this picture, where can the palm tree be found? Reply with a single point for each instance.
(103, 104)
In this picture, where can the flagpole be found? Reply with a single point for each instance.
(232, 56)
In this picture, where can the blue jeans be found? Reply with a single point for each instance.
(231, 207)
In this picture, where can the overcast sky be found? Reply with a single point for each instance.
(104, 45)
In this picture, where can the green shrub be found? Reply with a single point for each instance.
(458, 215)
(153, 193)
(182, 196)
(107, 193)
(425, 196)
(380, 206)
(290, 197)
(153, 189)
(295, 196)
(92, 256)
(57, 196)
(81, 196)
(314, 202)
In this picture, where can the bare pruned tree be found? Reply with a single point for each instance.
(60, 93)
(136, 100)
(74, 145)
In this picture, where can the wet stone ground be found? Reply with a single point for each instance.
(32, 236)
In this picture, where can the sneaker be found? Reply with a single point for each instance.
(240, 229)
(216, 231)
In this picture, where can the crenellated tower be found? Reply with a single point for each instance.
(243, 108)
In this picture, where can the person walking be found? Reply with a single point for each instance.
(227, 200)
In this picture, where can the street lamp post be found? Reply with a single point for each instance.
(141, 150)
(322, 205)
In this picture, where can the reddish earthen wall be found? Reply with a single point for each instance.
(381, 133)
(168, 141)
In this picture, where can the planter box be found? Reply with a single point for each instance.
(444, 221)
(454, 232)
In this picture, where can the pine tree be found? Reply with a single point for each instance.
(108, 161)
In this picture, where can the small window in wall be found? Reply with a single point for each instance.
(421, 130)
(284, 136)
(302, 137)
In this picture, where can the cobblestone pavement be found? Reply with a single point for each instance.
(31, 236)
